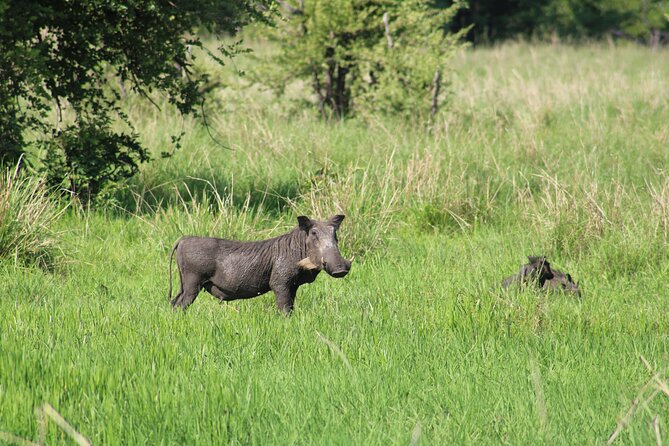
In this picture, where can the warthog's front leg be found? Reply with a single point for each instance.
(285, 297)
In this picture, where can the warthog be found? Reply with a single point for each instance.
(539, 272)
(231, 270)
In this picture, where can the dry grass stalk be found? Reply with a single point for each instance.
(8, 438)
(334, 349)
(660, 197)
(64, 425)
(46, 410)
(542, 411)
(656, 429)
(415, 435)
(658, 386)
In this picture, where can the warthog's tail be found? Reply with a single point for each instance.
(169, 295)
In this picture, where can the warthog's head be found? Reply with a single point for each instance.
(538, 270)
(322, 247)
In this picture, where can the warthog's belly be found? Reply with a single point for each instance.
(232, 293)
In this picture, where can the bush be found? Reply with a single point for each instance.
(91, 159)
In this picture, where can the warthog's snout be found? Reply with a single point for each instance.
(338, 270)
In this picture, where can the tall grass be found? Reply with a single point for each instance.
(519, 115)
(553, 150)
(205, 213)
(27, 213)
(660, 207)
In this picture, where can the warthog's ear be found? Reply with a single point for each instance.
(304, 222)
(540, 263)
(569, 279)
(537, 260)
(335, 221)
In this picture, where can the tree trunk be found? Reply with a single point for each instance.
(436, 84)
(341, 93)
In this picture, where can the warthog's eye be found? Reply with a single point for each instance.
(314, 233)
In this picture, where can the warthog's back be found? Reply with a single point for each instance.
(230, 260)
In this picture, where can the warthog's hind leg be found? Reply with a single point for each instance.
(215, 291)
(176, 299)
(190, 288)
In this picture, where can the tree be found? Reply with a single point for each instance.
(380, 55)
(64, 54)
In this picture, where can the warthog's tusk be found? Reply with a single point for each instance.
(307, 264)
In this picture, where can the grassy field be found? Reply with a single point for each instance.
(552, 150)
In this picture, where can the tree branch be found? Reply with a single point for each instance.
(387, 26)
(206, 126)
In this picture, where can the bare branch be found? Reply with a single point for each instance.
(206, 126)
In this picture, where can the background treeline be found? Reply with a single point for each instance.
(492, 21)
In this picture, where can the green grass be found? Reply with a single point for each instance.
(553, 150)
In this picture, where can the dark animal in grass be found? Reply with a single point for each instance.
(562, 282)
(535, 273)
(231, 270)
(538, 272)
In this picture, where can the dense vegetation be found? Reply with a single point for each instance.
(545, 149)
(489, 21)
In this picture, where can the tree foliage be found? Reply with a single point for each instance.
(63, 55)
(380, 55)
